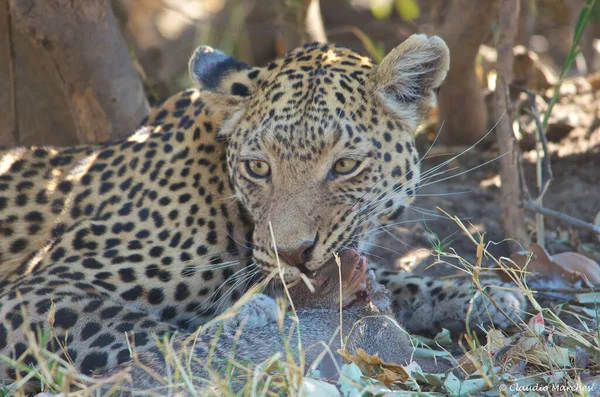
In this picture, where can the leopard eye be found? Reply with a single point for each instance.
(345, 166)
(258, 168)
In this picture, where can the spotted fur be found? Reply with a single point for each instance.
(159, 232)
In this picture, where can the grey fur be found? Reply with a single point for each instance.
(248, 340)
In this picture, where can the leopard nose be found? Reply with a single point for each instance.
(299, 255)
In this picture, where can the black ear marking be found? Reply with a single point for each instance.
(240, 89)
(209, 67)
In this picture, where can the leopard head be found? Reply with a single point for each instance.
(320, 142)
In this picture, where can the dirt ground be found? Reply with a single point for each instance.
(473, 196)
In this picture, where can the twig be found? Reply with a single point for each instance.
(522, 180)
(11, 73)
(577, 290)
(532, 206)
(541, 133)
(543, 181)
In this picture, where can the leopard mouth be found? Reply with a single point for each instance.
(358, 283)
(359, 272)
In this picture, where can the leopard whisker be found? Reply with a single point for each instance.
(443, 194)
(380, 229)
(382, 247)
(443, 164)
(375, 204)
(216, 266)
(238, 278)
(244, 280)
(375, 213)
(426, 211)
(411, 169)
(398, 239)
(250, 247)
(428, 176)
(240, 273)
(466, 171)
(212, 254)
(233, 198)
(367, 253)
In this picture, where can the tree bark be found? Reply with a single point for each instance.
(300, 22)
(35, 111)
(460, 104)
(513, 217)
(84, 51)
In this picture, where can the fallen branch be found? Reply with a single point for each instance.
(532, 206)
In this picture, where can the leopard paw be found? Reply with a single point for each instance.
(426, 305)
(259, 311)
(504, 307)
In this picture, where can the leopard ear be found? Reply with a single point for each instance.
(407, 79)
(213, 70)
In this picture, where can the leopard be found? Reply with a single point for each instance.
(255, 172)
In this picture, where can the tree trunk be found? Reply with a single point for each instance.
(461, 105)
(300, 22)
(84, 73)
(513, 217)
(36, 110)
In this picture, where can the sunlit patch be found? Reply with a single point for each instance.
(195, 95)
(330, 57)
(53, 180)
(365, 61)
(10, 158)
(476, 228)
(411, 259)
(141, 135)
(493, 181)
(33, 262)
(82, 167)
(171, 23)
(492, 77)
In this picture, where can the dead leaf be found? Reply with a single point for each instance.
(524, 349)
(577, 263)
(568, 266)
(374, 367)
(468, 361)
(528, 342)
(554, 355)
(536, 325)
(496, 341)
